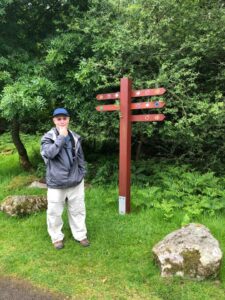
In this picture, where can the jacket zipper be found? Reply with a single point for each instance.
(71, 163)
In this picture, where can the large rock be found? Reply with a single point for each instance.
(23, 205)
(191, 251)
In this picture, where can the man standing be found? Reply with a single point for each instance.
(65, 169)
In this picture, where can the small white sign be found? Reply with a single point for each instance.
(122, 205)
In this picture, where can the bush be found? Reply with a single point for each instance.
(166, 186)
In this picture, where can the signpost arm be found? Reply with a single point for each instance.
(125, 145)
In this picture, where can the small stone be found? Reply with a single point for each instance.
(37, 184)
(191, 252)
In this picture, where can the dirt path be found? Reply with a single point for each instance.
(15, 289)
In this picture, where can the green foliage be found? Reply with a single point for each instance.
(105, 173)
(66, 52)
(3, 6)
(167, 187)
(173, 188)
(167, 43)
(24, 97)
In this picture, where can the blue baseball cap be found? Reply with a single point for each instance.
(60, 111)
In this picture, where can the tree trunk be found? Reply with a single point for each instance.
(138, 149)
(23, 157)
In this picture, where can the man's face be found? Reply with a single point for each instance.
(61, 121)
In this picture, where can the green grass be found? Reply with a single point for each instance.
(118, 265)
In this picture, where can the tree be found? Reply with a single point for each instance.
(20, 99)
(83, 48)
(24, 27)
(178, 45)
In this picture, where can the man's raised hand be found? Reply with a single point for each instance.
(63, 131)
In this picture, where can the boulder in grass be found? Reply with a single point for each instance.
(191, 252)
(23, 205)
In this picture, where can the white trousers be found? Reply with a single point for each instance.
(76, 212)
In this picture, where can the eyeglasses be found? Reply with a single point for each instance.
(61, 118)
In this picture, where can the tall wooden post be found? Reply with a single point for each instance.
(125, 145)
(126, 118)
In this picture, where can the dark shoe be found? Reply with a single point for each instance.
(84, 243)
(58, 245)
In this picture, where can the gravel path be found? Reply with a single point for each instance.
(15, 289)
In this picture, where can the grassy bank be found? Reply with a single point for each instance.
(118, 265)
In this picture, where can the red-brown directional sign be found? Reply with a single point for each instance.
(147, 105)
(125, 106)
(139, 105)
(148, 118)
(109, 107)
(108, 96)
(148, 92)
(135, 93)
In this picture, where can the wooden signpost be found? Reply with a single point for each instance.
(126, 118)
